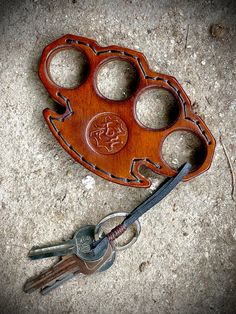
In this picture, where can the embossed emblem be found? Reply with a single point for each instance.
(107, 133)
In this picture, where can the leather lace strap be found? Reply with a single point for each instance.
(142, 208)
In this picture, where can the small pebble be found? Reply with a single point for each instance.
(88, 182)
(143, 265)
(217, 30)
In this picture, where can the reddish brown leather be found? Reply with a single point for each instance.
(105, 136)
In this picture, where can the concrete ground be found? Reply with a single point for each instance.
(185, 258)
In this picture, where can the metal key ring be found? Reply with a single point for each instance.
(137, 224)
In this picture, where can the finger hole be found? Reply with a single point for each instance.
(68, 68)
(117, 79)
(183, 146)
(156, 108)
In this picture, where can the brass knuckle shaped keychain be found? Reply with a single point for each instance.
(105, 135)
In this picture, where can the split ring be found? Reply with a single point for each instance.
(98, 232)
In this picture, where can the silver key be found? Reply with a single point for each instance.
(78, 245)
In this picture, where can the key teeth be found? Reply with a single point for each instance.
(48, 288)
(30, 285)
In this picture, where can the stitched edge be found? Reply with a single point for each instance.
(155, 78)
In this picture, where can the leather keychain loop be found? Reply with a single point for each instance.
(162, 191)
(98, 230)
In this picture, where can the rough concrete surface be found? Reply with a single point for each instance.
(185, 259)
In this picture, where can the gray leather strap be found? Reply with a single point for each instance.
(152, 200)
(157, 196)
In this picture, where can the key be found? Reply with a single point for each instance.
(73, 265)
(78, 245)
(92, 254)
(66, 267)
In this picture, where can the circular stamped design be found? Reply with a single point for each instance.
(107, 133)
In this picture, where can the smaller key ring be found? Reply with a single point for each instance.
(97, 231)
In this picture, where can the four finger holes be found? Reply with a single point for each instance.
(182, 146)
(68, 68)
(156, 108)
(117, 79)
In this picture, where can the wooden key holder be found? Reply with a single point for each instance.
(105, 135)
